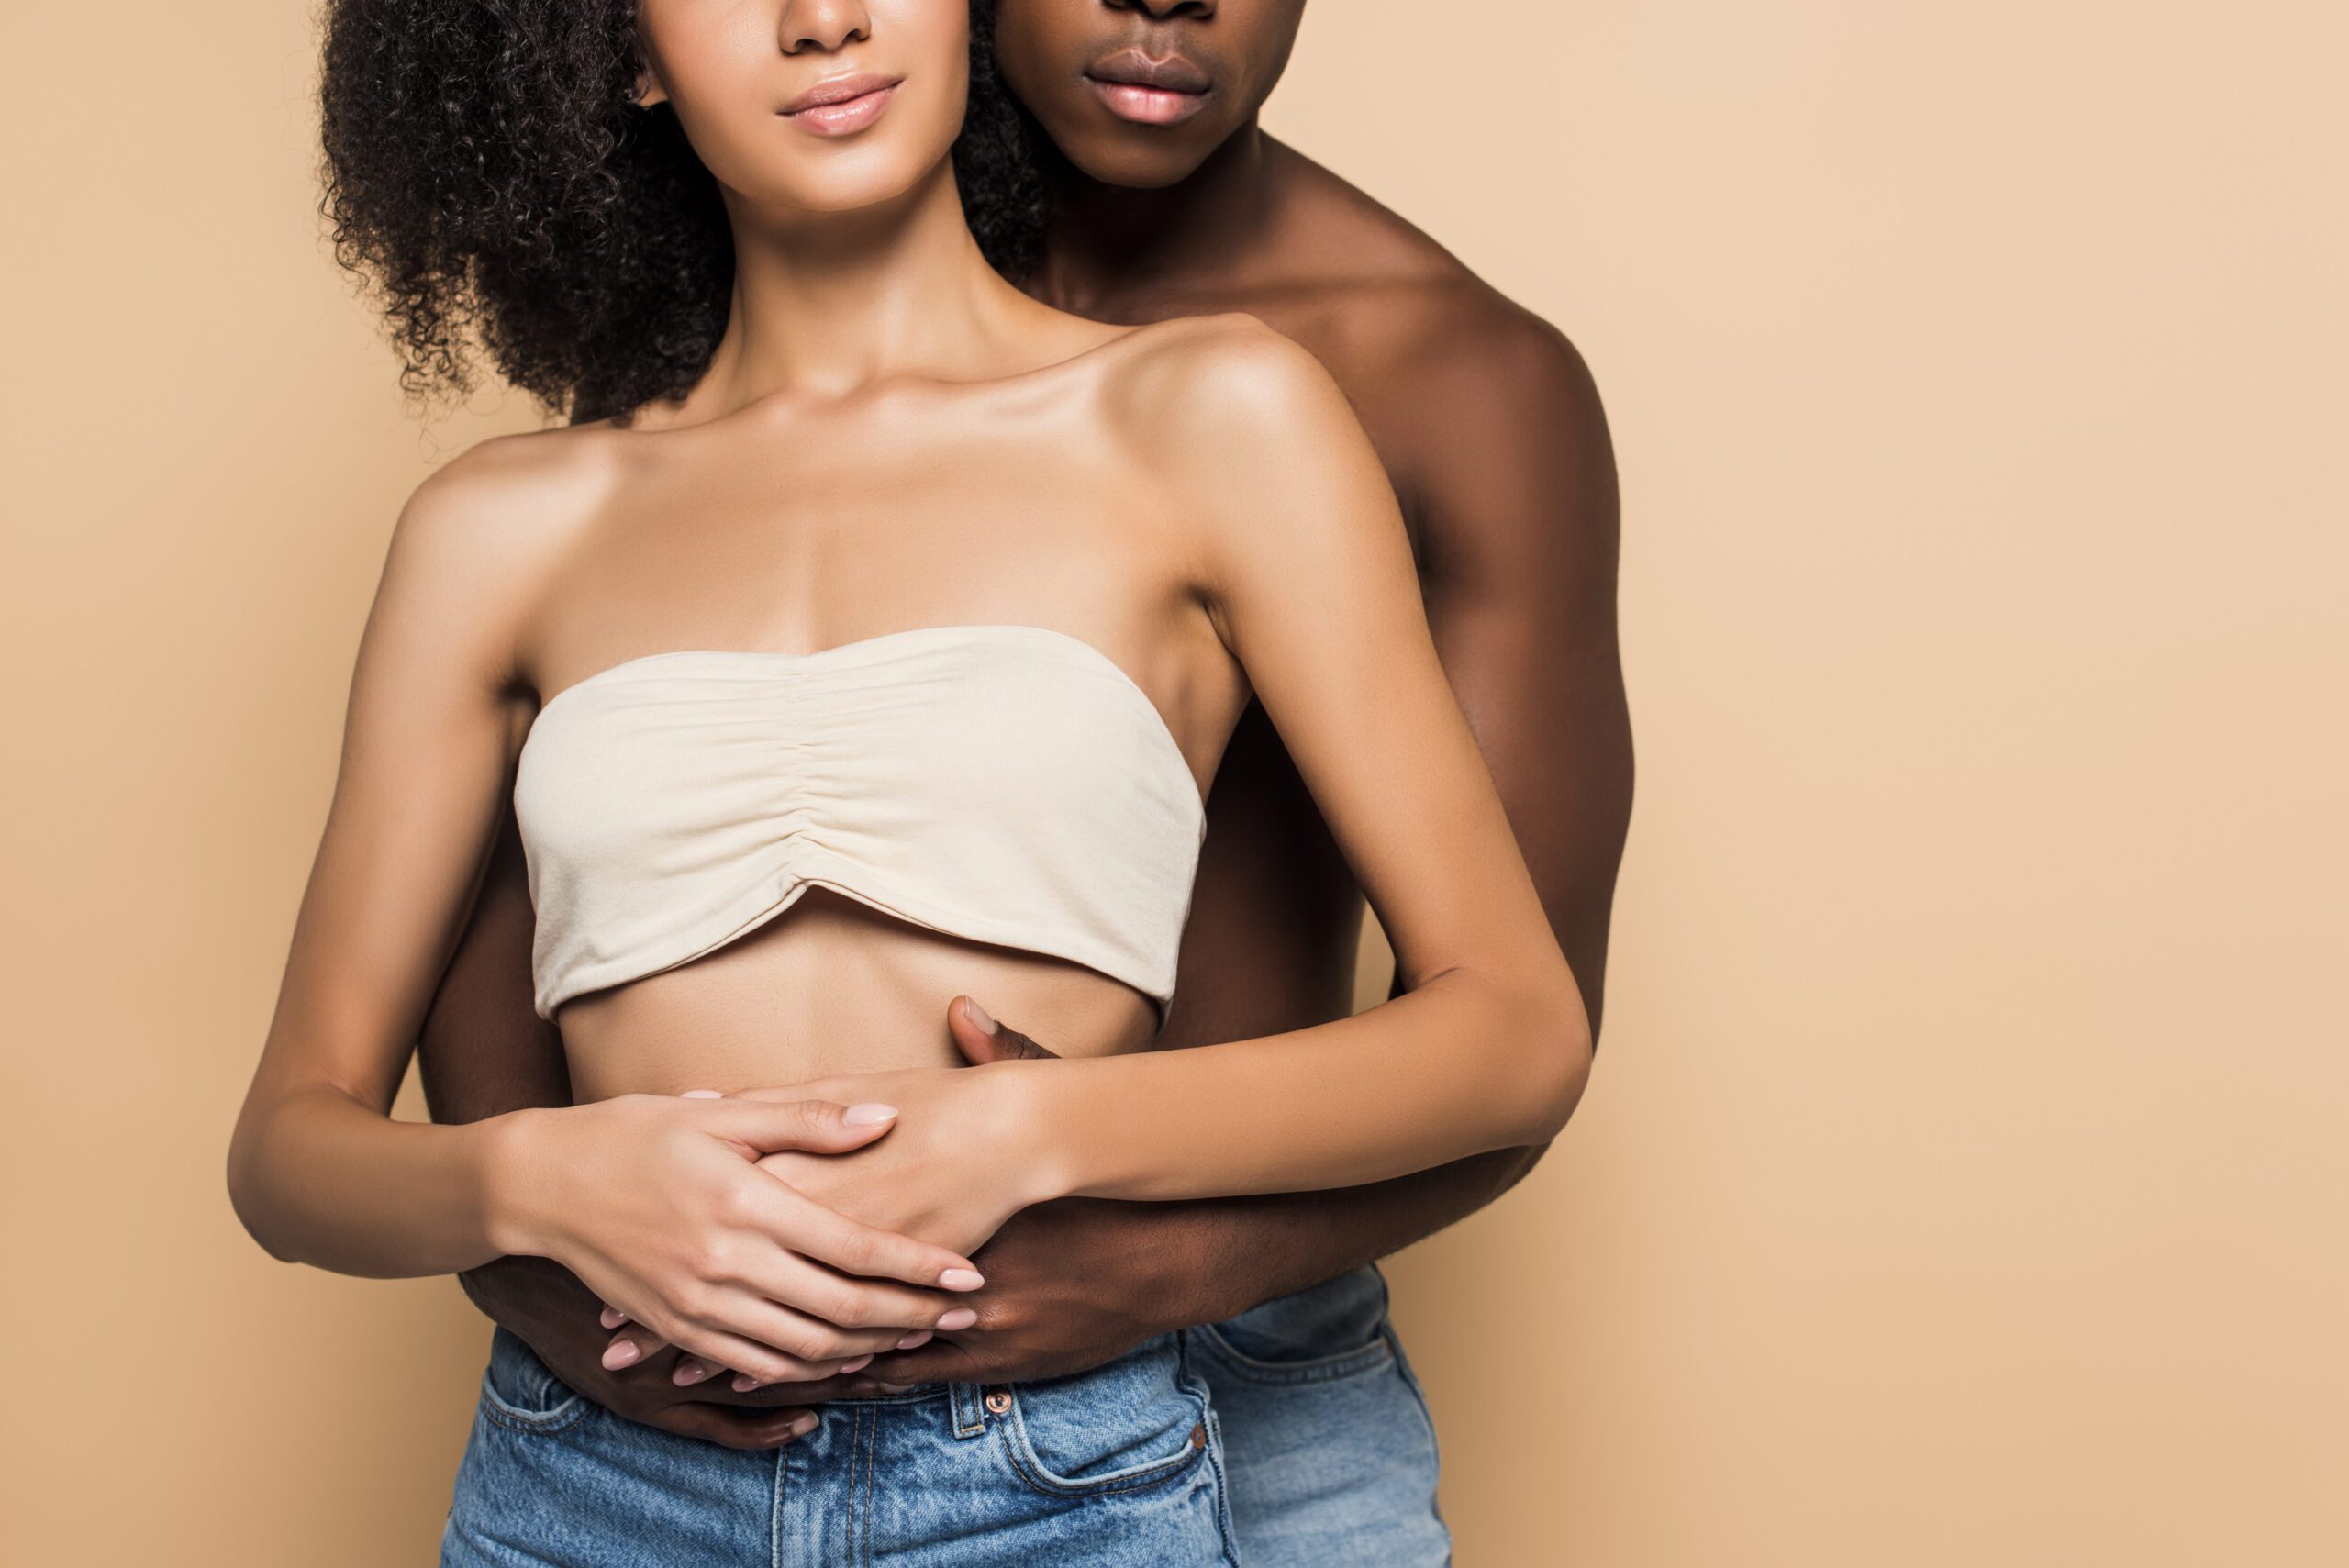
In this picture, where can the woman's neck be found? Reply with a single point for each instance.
(828, 304)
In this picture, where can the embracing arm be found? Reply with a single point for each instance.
(1516, 496)
(1307, 570)
(1514, 489)
(484, 1051)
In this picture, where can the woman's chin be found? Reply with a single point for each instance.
(846, 186)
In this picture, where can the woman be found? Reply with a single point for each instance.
(877, 647)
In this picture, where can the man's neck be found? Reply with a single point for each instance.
(1113, 243)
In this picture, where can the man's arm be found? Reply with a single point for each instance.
(1515, 516)
(483, 1050)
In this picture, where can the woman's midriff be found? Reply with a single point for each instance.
(831, 986)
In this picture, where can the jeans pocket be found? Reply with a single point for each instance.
(520, 1392)
(1137, 1423)
(1338, 1329)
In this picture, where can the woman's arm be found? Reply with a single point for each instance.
(317, 1170)
(1307, 571)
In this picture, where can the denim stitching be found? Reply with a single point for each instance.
(1165, 1470)
(864, 1513)
(1223, 1524)
(775, 1508)
(1411, 1381)
(1435, 1446)
(537, 1423)
(969, 1414)
(1213, 1421)
(1031, 1468)
(1322, 1369)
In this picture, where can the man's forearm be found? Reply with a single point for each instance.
(482, 1050)
(1254, 1249)
(1075, 1283)
(484, 1053)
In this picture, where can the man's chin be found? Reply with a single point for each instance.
(1139, 160)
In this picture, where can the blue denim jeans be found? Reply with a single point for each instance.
(1124, 1466)
(1328, 1451)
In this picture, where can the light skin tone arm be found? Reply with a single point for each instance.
(319, 1172)
(1315, 588)
(1308, 573)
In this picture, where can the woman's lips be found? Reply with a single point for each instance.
(1149, 92)
(843, 106)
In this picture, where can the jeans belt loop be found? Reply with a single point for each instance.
(966, 1402)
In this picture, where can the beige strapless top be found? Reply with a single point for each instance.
(1006, 783)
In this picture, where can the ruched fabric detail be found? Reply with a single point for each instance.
(1009, 784)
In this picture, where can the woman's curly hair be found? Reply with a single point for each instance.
(485, 168)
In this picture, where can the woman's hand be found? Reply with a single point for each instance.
(965, 1157)
(967, 1153)
(657, 1203)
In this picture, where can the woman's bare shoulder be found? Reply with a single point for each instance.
(522, 484)
(1211, 400)
(1215, 405)
(1174, 366)
(482, 536)
(509, 502)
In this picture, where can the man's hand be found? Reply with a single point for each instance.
(556, 1315)
(1071, 1284)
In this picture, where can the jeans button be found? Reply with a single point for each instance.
(998, 1400)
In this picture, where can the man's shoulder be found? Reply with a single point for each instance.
(1411, 330)
(1442, 340)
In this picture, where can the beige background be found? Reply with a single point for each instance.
(1963, 1178)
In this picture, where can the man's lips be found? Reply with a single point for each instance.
(842, 105)
(1132, 67)
(1146, 91)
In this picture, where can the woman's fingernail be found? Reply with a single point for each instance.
(859, 1364)
(689, 1372)
(624, 1353)
(962, 1279)
(960, 1318)
(703, 1094)
(978, 1015)
(806, 1424)
(868, 1113)
(611, 1318)
(745, 1382)
(915, 1341)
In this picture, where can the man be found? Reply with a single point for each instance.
(1170, 201)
